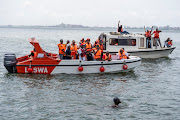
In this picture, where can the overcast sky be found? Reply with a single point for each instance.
(90, 12)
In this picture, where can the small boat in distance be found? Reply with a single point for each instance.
(49, 63)
(134, 44)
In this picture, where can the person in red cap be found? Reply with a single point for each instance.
(82, 41)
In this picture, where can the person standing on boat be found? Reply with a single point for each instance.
(148, 37)
(107, 57)
(88, 49)
(68, 43)
(74, 49)
(68, 52)
(62, 49)
(101, 47)
(81, 52)
(97, 53)
(82, 42)
(156, 37)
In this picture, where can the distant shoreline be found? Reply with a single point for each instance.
(69, 26)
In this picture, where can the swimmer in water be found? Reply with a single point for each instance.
(116, 102)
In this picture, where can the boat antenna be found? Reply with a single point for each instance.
(151, 28)
(144, 29)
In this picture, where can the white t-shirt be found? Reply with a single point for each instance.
(81, 58)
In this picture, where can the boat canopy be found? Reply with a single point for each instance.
(37, 47)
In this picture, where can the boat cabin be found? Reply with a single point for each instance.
(114, 41)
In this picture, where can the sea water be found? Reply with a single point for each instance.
(150, 91)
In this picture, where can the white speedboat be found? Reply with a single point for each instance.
(134, 44)
(49, 63)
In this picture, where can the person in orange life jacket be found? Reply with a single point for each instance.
(169, 44)
(74, 50)
(97, 53)
(107, 57)
(88, 45)
(81, 52)
(33, 54)
(62, 49)
(120, 29)
(125, 52)
(156, 37)
(97, 42)
(122, 55)
(148, 37)
(101, 47)
(82, 42)
(88, 49)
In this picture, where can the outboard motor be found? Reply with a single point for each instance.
(10, 62)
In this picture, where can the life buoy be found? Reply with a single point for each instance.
(102, 69)
(80, 68)
(29, 70)
(125, 67)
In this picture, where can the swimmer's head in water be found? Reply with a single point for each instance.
(116, 100)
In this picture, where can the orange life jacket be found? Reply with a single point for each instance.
(82, 43)
(120, 30)
(148, 34)
(101, 47)
(122, 56)
(88, 47)
(98, 54)
(35, 54)
(74, 48)
(106, 57)
(62, 48)
(156, 35)
(169, 43)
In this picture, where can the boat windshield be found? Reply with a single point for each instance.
(122, 42)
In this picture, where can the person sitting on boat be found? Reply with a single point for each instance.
(116, 101)
(169, 44)
(123, 55)
(97, 53)
(107, 57)
(120, 29)
(81, 52)
(68, 52)
(156, 36)
(74, 50)
(33, 54)
(62, 49)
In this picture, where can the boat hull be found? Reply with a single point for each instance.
(150, 53)
(71, 66)
(94, 66)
